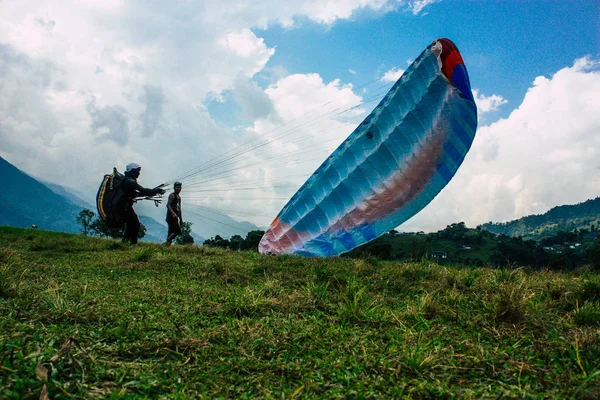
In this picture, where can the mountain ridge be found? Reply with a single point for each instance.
(28, 202)
(566, 217)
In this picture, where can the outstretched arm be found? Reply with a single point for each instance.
(142, 191)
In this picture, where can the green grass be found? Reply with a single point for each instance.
(84, 318)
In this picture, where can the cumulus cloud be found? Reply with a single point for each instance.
(295, 95)
(249, 47)
(27, 120)
(255, 103)
(109, 122)
(392, 75)
(486, 104)
(546, 153)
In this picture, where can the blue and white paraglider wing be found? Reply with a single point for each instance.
(393, 164)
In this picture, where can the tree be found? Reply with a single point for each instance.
(594, 255)
(217, 241)
(416, 249)
(379, 250)
(99, 228)
(252, 240)
(86, 220)
(236, 242)
(186, 234)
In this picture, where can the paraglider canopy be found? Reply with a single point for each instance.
(390, 167)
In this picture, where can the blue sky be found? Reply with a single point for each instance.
(506, 44)
(171, 85)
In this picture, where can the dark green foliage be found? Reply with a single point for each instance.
(252, 240)
(186, 234)
(458, 244)
(217, 241)
(85, 219)
(588, 314)
(594, 255)
(590, 289)
(519, 252)
(236, 242)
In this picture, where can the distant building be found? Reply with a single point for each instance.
(438, 254)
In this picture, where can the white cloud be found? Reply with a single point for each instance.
(392, 75)
(109, 123)
(153, 97)
(296, 95)
(488, 103)
(249, 47)
(327, 12)
(255, 103)
(546, 153)
(418, 5)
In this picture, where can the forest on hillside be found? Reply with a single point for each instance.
(457, 244)
(566, 218)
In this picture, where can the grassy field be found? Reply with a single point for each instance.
(83, 318)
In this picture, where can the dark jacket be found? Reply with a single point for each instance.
(132, 189)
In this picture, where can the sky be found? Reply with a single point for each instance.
(243, 100)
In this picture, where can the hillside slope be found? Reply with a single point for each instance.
(565, 218)
(25, 201)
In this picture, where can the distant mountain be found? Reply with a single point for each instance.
(69, 194)
(210, 223)
(24, 202)
(154, 230)
(561, 218)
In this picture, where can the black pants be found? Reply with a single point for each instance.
(174, 228)
(132, 226)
